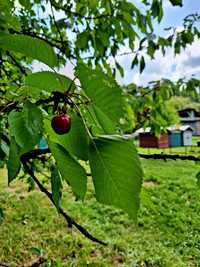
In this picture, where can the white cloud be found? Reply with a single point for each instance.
(167, 4)
(38, 66)
(68, 70)
(169, 66)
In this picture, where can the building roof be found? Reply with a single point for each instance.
(173, 128)
(181, 128)
(189, 113)
(143, 130)
(184, 128)
(187, 119)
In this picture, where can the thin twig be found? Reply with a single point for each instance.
(17, 64)
(57, 27)
(8, 107)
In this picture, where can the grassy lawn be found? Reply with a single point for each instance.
(167, 232)
(193, 150)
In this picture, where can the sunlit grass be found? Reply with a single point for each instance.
(167, 232)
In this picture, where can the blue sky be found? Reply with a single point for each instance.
(183, 65)
(174, 15)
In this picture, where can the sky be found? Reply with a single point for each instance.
(186, 64)
(173, 67)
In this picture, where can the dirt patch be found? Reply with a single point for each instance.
(151, 183)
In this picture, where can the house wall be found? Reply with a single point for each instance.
(195, 126)
(187, 138)
(163, 141)
(175, 139)
(148, 140)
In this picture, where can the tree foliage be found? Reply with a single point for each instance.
(85, 34)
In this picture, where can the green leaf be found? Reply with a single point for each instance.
(26, 126)
(151, 48)
(128, 18)
(119, 68)
(28, 91)
(108, 7)
(49, 81)
(99, 122)
(37, 251)
(4, 149)
(116, 172)
(142, 23)
(31, 184)
(161, 13)
(26, 4)
(2, 153)
(76, 141)
(177, 47)
(82, 40)
(187, 37)
(93, 4)
(13, 164)
(103, 36)
(176, 2)
(56, 187)
(70, 169)
(157, 10)
(134, 62)
(103, 90)
(142, 64)
(30, 47)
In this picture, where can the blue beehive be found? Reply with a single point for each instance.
(186, 135)
(43, 143)
(175, 138)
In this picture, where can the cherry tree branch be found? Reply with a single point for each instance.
(17, 64)
(25, 159)
(168, 156)
(8, 107)
(57, 27)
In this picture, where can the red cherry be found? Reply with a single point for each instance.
(61, 124)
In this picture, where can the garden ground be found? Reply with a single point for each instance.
(166, 234)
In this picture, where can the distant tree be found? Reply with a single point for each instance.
(181, 102)
(150, 106)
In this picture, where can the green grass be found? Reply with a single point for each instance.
(193, 150)
(195, 139)
(167, 232)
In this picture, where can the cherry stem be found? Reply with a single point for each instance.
(84, 121)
